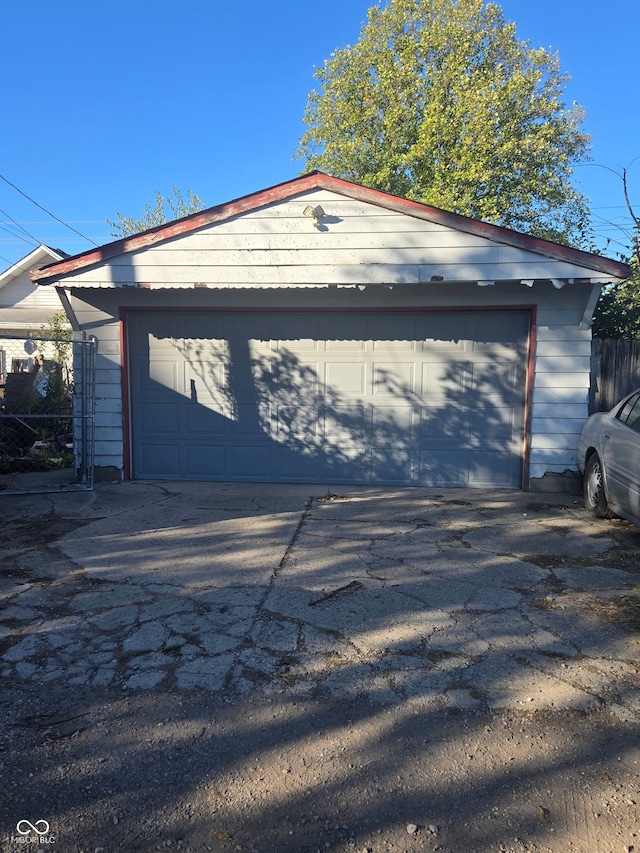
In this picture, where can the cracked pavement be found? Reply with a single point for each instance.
(444, 599)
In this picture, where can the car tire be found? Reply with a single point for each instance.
(595, 500)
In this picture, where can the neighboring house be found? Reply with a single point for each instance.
(319, 331)
(24, 309)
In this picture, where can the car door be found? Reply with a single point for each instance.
(621, 456)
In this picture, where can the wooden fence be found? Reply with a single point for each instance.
(615, 372)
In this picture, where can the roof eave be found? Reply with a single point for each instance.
(318, 180)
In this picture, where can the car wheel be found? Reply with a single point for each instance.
(595, 501)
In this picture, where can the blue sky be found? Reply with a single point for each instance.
(105, 103)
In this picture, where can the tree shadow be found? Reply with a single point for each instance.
(270, 413)
(271, 763)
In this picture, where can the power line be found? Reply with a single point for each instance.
(48, 212)
(17, 224)
(76, 221)
(18, 238)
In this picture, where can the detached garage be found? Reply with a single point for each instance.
(324, 332)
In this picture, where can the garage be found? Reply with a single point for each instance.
(322, 331)
(408, 397)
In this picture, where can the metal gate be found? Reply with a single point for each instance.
(47, 401)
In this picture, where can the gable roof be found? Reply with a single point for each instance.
(315, 181)
(38, 257)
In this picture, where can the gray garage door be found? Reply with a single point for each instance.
(433, 398)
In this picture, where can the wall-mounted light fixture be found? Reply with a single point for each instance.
(316, 213)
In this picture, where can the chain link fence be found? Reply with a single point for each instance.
(46, 414)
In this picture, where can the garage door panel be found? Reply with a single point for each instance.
(392, 465)
(345, 427)
(205, 378)
(491, 426)
(443, 380)
(297, 422)
(157, 418)
(304, 465)
(206, 329)
(306, 335)
(394, 378)
(485, 328)
(328, 397)
(394, 422)
(343, 332)
(249, 461)
(336, 467)
(146, 329)
(161, 378)
(345, 377)
(442, 424)
(204, 460)
(202, 419)
(441, 332)
(161, 459)
(492, 468)
(287, 375)
(445, 468)
(401, 338)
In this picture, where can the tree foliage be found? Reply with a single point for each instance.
(440, 102)
(166, 209)
(617, 313)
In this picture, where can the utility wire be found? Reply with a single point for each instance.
(20, 238)
(48, 212)
(17, 224)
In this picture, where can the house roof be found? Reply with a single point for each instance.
(314, 181)
(24, 318)
(39, 256)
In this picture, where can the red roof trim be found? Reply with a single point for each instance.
(318, 180)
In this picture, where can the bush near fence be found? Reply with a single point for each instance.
(36, 388)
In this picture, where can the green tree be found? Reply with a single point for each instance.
(166, 208)
(440, 102)
(617, 313)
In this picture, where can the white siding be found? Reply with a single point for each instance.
(357, 243)
(561, 390)
(18, 291)
(275, 258)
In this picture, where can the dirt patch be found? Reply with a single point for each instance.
(619, 557)
(36, 532)
(620, 610)
(267, 774)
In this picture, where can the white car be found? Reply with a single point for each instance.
(609, 458)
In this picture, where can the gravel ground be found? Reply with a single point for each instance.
(266, 767)
(264, 773)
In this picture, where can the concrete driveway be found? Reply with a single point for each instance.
(449, 599)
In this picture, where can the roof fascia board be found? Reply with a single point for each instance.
(39, 254)
(178, 227)
(495, 233)
(319, 180)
